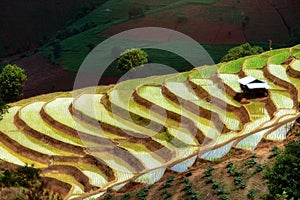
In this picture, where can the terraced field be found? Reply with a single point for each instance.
(141, 127)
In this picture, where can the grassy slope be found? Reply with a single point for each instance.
(75, 48)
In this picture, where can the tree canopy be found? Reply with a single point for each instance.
(242, 51)
(132, 58)
(12, 80)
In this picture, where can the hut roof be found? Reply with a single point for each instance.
(246, 80)
(253, 83)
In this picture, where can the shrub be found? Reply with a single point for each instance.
(12, 80)
(241, 51)
(275, 151)
(27, 182)
(209, 180)
(284, 176)
(3, 108)
(107, 197)
(142, 194)
(258, 168)
(251, 194)
(211, 168)
(224, 197)
(215, 185)
(132, 58)
(229, 165)
(125, 197)
(232, 172)
(254, 155)
(166, 194)
(167, 184)
(250, 163)
(237, 180)
(243, 185)
(207, 173)
(188, 174)
(135, 11)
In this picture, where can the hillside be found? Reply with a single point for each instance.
(140, 130)
(218, 24)
(26, 25)
(72, 30)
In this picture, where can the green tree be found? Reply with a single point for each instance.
(132, 58)
(241, 51)
(12, 80)
(284, 176)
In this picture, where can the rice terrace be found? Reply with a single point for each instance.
(91, 143)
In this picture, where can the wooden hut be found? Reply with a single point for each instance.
(253, 88)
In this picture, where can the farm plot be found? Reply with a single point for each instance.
(295, 65)
(153, 94)
(77, 188)
(120, 99)
(297, 55)
(258, 74)
(280, 72)
(257, 62)
(232, 67)
(59, 111)
(275, 52)
(279, 58)
(215, 91)
(256, 110)
(203, 72)
(8, 127)
(89, 105)
(30, 114)
(282, 99)
(132, 133)
(231, 80)
(182, 91)
(251, 141)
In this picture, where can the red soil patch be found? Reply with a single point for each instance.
(195, 27)
(220, 23)
(44, 77)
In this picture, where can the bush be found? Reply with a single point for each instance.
(26, 182)
(237, 180)
(207, 173)
(275, 151)
(224, 197)
(142, 194)
(229, 165)
(258, 168)
(251, 194)
(3, 108)
(107, 197)
(250, 163)
(241, 51)
(12, 80)
(135, 11)
(132, 58)
(209, 180)
(284, 176)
